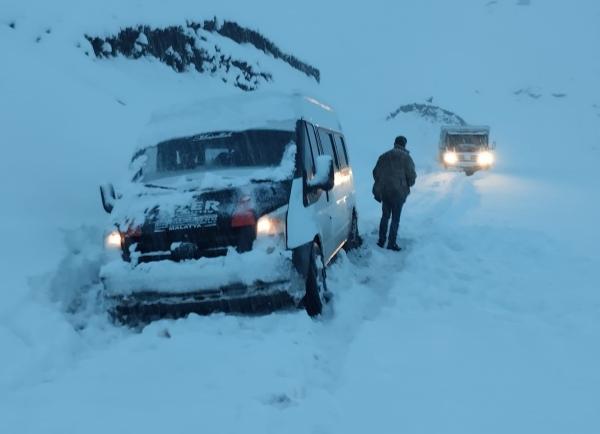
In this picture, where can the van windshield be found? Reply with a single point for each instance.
(466, 140)
(215, 151)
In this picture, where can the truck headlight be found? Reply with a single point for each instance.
(450, 157)
(113, 240)
(485, 158)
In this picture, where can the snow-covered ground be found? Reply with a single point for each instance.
(488, 321)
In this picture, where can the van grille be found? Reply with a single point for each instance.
(187, 244)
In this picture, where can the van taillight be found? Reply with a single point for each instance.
(244, 214)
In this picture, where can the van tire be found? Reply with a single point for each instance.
(316, 283)
(354, 240)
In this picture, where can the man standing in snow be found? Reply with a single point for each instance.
(394, 174)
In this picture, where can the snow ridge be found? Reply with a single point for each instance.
(192, 47)
(430, 112)
(244, 35)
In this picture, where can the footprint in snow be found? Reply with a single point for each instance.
(280, 400)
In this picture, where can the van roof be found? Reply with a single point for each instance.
(256, 110)
(466, 129)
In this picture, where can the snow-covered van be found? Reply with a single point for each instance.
(235, 205)
(466, 148)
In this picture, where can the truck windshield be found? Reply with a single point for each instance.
(215, 151)
(466, 140)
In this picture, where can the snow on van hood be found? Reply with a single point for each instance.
(170, 193)
(144, 204)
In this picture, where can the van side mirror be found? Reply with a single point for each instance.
(324, 174)
(108, 196)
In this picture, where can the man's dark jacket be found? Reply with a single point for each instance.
(394, 174)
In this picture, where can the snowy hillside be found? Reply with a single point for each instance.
(487, 322)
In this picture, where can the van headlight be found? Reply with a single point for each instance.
(272, 224)
(450, 157)
(485, 158)
(113, 240)
(269, 225)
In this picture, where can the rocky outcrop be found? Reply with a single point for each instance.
(242, 35)
(196, 46)
(430, 112)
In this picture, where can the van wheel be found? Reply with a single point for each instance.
(354, 240)
(316, 286)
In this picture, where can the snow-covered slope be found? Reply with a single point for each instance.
(487, 322)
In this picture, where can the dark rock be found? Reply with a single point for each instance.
(181, 48)
(281, 400)
(430, 112)
(528, 92)
(164, 333)
(243, 35)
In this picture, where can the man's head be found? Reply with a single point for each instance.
(400, 142)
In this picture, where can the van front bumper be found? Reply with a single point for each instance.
(251, 282)
(145, 307)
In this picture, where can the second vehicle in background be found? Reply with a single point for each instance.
(466, 148)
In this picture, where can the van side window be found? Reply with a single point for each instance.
(314, 145)
(308, 159)
(328, 147)
(341, 151)
(311, 151)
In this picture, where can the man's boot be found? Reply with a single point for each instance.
(393, 246)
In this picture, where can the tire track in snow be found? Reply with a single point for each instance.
(362, 281)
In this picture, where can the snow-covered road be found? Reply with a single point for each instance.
(487, 322)
(449, 327)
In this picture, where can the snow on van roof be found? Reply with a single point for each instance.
(466, 129)
(237, 113)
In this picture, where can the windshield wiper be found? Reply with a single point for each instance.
(162, 187)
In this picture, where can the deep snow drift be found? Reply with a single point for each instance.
(487, 322)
